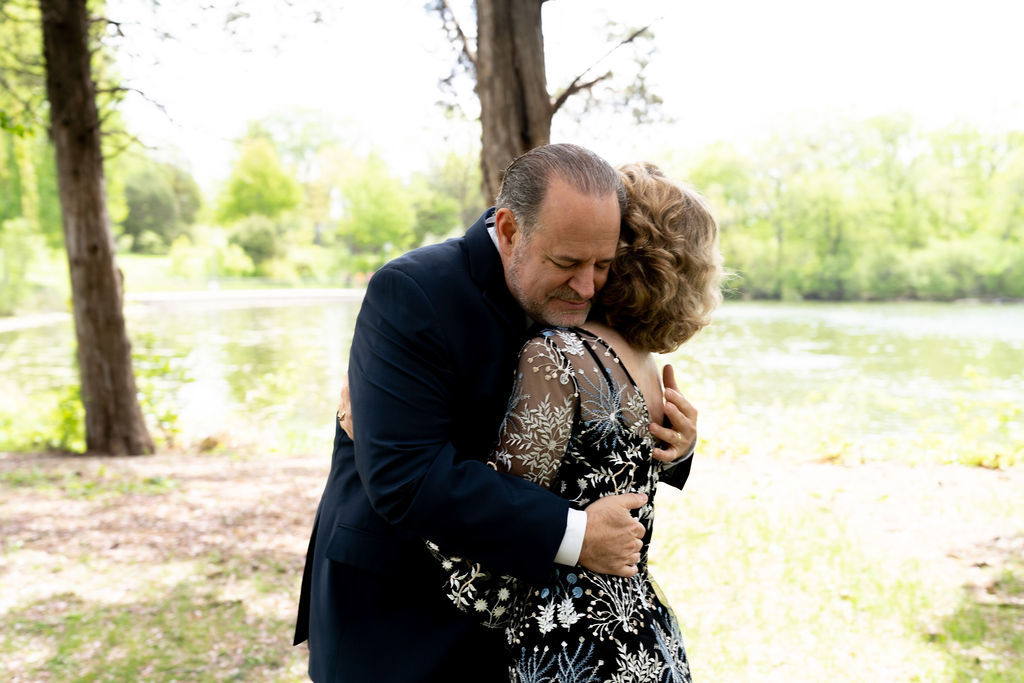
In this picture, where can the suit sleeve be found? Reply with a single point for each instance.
(402, 387)
(675, 474)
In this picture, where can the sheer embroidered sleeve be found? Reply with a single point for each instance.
(541, 412)
(532, 441)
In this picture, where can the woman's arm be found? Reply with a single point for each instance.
(532, 441)
(545, 400)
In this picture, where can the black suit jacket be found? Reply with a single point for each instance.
(430, 371)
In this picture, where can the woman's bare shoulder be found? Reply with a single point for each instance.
(634, 359)
(642, 365)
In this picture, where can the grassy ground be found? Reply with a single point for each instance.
(166, 568)
(185, 567)
(818, 572)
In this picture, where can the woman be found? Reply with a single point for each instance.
(577, 424)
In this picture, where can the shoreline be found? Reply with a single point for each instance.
(215, 298)
(200, 298)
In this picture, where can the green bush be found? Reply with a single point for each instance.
(880, 273)
(978, 266)
(161, 202)
(260, 239)
(210, 256)
(753, 260)
(55, 419)
(187, 260)
(19, 245)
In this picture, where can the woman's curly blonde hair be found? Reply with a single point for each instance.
(667, 274)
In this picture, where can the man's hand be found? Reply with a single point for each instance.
(612, 542)
(681, 436)
(345, 408)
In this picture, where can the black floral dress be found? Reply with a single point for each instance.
(576, 424)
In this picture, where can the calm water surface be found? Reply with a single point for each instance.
(276, 369)
(895, 364)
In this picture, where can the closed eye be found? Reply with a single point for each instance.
(601, 266)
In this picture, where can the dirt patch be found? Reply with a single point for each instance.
(256, 507)
(102, 532)
(209, 499)
(944, 515)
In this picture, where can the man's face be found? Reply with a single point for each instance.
(555, 272)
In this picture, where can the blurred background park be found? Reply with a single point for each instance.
(856, 510)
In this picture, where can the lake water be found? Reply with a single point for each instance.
(270, 367)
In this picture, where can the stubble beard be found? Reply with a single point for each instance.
(541, 310)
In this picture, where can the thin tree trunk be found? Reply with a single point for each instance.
(515, 108)
(113, 418)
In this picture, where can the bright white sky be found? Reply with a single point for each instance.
(727, 69)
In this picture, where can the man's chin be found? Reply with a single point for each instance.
(565, 318)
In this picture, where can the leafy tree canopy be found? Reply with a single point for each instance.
(258, 184)
(378, 213)
(162, 201)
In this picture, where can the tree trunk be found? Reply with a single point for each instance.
(515, 108)
(113, 419)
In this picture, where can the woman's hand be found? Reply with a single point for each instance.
(345, 408)
(680, 435)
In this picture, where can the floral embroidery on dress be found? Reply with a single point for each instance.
(577, 424)
(573, 344)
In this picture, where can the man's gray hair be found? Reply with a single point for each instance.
(527, 179)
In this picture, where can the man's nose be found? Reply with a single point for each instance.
(582, 282)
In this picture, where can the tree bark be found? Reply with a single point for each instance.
(113, 419)
(515, 107)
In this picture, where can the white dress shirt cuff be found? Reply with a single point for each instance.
(572, 543)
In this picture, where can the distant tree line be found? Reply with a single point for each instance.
(875, 210)
(871, 210)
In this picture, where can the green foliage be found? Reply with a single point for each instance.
(260, 238)
(27, 205)
(22, 86)
(985, 635)
(54, 420)
(456, 177)
(159, 372)
(436, 215)
(162, 201)
(19, 246)
(874, 210)
(186, 632)
(258, 184)
(10, 125)
(69, 418)
(302, 139)
(102, 484)
(446, 199)
(10, 172)
(49, 211)
(379, 217)
(208, 256)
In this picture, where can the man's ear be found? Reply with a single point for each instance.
(507, 230)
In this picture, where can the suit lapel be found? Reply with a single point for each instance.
(487, 272)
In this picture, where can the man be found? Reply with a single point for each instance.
(430, 370)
